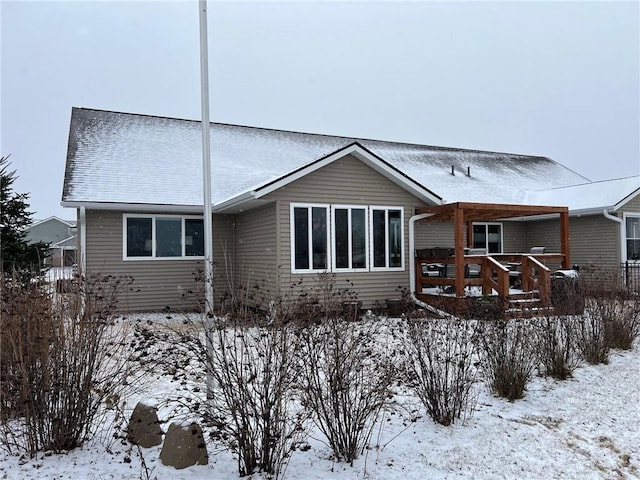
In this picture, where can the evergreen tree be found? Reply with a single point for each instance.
(18, 255)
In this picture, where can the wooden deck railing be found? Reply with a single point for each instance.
(494, 274)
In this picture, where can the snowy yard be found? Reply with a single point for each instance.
(587, 427)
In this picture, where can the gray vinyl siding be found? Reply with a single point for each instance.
(51, 231)
(633, 205)
(440, 234)
(513, 237)
(434, 234)
(156, 283)
(256, 259)
(350, 182)
(594, 240)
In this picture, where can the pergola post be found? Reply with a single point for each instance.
(459, 239)
(565, 247)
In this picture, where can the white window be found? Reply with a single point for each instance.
(346, 238)
(489, 236)
(387, 238)
(349, 240)
(632, 236)
(309, 238)
(162, 236)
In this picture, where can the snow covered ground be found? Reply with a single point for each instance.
(587, 427)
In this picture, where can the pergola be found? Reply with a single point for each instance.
(465, 213)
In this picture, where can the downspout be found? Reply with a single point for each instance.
(83, 240)
(412, 269)
(619, 221)
(608, 216)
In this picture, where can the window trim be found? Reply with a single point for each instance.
(624, 254)
(292, 236)
(153, 256)
(486, 224)
(386, 268)
(331, 267)
(334, 257)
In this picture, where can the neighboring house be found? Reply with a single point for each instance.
(61, 237)
(288, 206)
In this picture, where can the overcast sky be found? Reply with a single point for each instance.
(557, 79)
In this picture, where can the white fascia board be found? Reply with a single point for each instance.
(236, 202)
(626, 199)
(134, 207)
(361, 154)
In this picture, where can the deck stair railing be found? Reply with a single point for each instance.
(495, 276)
(536, 276)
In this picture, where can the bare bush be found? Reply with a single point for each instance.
(509, 356)
(346, 382)
(592, 342)
(440, 357)
(324, 299)
(252, 374)
(558, 346)
(62, 361)
(620, 314)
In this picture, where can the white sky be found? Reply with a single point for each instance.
(557, 79)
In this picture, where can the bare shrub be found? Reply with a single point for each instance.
(558, 346)
(62, 361)
(440, 357)
(620, 314)
(346, 382)
(325, 298)
(509, 356)
(252, 374)
(592, 342)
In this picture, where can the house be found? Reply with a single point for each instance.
(61, 237)
(288, 206)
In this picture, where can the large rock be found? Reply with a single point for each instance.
(184, 446)
(144, 427)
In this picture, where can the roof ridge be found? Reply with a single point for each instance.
(589, 183)
(326, 135)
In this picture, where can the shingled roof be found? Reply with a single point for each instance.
(123, 158)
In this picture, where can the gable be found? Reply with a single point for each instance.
(347, 180)
(49, 230)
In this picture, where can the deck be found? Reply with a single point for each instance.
(503, 284)
(516, 284)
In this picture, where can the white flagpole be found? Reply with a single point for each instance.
(206, 162)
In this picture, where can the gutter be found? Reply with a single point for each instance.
(608, 216)
(412, 270)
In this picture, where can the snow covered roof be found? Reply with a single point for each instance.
(591, 197)
(69, 223)
(124, 159)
